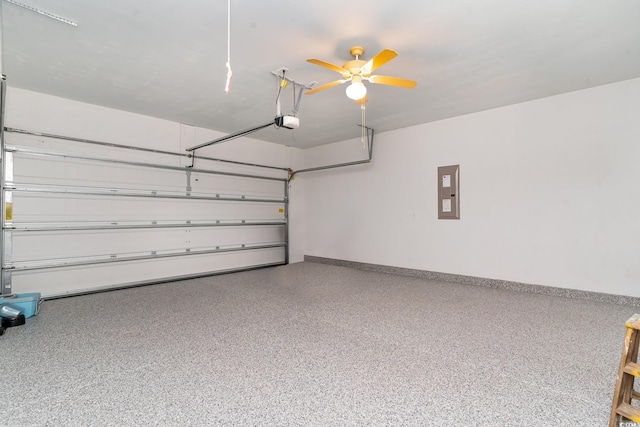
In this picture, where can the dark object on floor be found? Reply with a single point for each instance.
(10, 315)
(9, 323)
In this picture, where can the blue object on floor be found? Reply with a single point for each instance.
(29, 302)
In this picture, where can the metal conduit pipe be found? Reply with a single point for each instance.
(340, 165)
(130, 147)
(235, 162)
(231, 136)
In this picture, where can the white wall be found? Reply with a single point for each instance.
(549, 194)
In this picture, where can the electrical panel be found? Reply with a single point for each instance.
(449, 192)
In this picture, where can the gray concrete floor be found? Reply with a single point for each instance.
(313, 345)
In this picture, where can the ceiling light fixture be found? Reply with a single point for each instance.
(356, 90)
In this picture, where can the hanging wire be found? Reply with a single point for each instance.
(282, 83)
(364, 125)
(227, 87)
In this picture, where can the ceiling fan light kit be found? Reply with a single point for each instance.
(356, 90)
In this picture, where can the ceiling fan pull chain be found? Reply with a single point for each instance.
(294, 112)
(227, 86)
(364, 126)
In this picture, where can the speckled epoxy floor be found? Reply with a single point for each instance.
(313, 345)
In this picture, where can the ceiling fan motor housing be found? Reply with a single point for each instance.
(355, 65)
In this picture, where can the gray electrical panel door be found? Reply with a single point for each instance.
(449, 192)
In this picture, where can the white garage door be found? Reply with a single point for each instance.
(85, 215)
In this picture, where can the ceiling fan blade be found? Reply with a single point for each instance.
(380, 59)
(393, 81)
(328, 65)
(362, 100)
(325, 86)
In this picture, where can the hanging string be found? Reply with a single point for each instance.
(227, 87)
(364, 126)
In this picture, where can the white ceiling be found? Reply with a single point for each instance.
(166, 58)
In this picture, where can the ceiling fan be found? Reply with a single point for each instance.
(358, 70)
